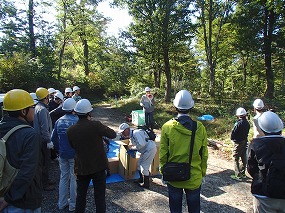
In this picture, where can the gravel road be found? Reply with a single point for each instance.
(219, 192)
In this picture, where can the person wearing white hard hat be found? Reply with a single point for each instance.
(258, 106)
(76, 96)
(176, 135)
(67, 183)
(67, 93)
(91, 161)
(266, 165)
(140, 141)
(58, 111)
(147, 102)
(239, 136)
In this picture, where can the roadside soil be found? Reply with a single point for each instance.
(219, 192)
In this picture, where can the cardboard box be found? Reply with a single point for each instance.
(127, 164)
(113, 164)
(154, 167)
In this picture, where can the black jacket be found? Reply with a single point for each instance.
(23, 153)
(260, 153)
(240, 130)
(86, 138)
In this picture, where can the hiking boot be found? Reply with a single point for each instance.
(145, 183)
(49, 188)
(235, 177)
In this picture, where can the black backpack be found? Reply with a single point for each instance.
(274, 186)
(149, 132)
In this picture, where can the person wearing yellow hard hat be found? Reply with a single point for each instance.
(43, 125)
(23, 153)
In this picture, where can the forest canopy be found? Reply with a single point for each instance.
(215, 49)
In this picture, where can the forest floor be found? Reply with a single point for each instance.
(219, 192)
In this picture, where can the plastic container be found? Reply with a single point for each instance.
(138, 117)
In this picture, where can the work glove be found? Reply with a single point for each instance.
(50, 145)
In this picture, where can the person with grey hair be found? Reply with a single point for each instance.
(266, 165)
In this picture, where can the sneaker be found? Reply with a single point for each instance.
(235, 177)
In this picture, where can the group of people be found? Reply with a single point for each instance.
(78, 139)
(258, 157)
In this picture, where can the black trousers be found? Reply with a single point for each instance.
(99, 186)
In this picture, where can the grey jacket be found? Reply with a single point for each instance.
(147, 103)
(43, 123)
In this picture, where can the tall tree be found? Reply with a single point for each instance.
(158, 26)
(212, 16)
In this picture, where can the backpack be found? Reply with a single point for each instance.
(274, 186)
(149, 132)
(7, 172)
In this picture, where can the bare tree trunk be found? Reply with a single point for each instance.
(31, 28)
(86, 57)
(269, 21)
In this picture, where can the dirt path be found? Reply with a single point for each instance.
(219, 192)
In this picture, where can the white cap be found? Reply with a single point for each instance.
(183, 100)
(83, 107)
(68, 89)
(270, 122)
(75, 88)
(59, 95)
(258, 104)
(51, 90)
(122, 127)
(147, 89)
(240, 111)
(69, 105)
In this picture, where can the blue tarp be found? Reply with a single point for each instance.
(114, 150)
(206, 118)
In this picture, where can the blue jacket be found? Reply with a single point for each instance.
(59, 136)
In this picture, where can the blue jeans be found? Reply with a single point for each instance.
(99, 185)
(175, 199)
(67, 180)
(149, 120)
(13, 209)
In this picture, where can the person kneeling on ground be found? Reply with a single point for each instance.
(141, 142)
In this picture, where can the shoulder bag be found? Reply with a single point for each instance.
(173, 171)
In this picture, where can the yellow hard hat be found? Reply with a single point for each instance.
(17, 99)
(41, 93)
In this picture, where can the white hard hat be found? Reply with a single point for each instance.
(51, 90)
(147, 89)
(83, 107)
(240, 111)
(270, 122)
(183, 100)
(34, 96)
(59, 95)
(75, 88)
(69, 105)
(68, 89)
(258, 104)
(122, 127)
